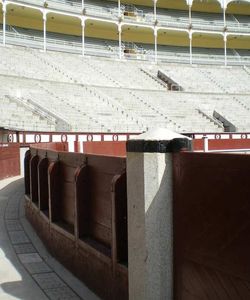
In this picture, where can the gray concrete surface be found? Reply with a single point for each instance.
(150, 225)
(27, 270)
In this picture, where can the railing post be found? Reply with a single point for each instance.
(4, 23)
(83, 36)
(150, 227)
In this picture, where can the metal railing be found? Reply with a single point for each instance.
(13, 37)
(139, 16)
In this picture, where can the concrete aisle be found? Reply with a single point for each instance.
(27, 271)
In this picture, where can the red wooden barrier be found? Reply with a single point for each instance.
(211, 226)
(222, 144)
(105, 148)
(78, 205)
(52, 146)
(9, 160)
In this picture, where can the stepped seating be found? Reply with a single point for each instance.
(106, 95)
(230, 107)
(127, 75)
(134, 103)
(181, 109)
(80, 70)
(211, 79)
(75, 69)
(16, 116)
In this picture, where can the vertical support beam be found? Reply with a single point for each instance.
(83, 5)
(120, 40)
(224, 7)
(83, 36)
(225, 49)
(190, 47)
(224, 17)
(190, 14)
(44, 31)
(150, 224)
(119, 8)
(155, 10)
(156, 48)
(4, 23)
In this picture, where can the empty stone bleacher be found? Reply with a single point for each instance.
(97, 94)
(16, 116)
(209, 78)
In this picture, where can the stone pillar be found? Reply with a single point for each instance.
(150, 196)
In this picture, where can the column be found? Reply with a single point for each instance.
(225, 49)
(224, 16)
(4, 23)
(44, 31)
(83, 36)
(150, 225)
(191, 47)
(119, 8)
(156, 48)
(155, 10)
(190, 14)
(82, 4)
(120, 40)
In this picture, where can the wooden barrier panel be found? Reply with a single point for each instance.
(9, 160)
(211, 226)
(52, 146)
(222, 144)
(78, 205)
(105, 148)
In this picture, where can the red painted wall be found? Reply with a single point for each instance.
(52, 146)
(222, 144)
(9, 160)
(105, 148)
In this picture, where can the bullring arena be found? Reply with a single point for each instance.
(124, 143)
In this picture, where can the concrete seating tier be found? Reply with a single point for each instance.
(97, 94)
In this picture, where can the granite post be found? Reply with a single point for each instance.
(150, 196)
